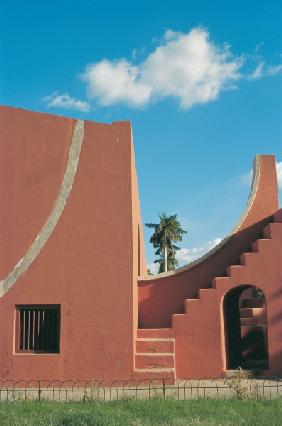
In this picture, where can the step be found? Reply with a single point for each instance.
(236, 272)
(246, 312)
(154, 360)
(252, 303)
(154, 332)
(179, 319)
(153, 345)
(261, 244)
(248, 259)
(221, 282)
(259, 312)
(205, 293)
(252, 312)
(191, 306)
(254, 321)
(157, 375)
(272, 230)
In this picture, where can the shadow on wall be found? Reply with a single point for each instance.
(160, 298)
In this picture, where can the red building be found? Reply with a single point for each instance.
(75, 301)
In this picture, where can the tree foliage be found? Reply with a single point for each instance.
(167, 232)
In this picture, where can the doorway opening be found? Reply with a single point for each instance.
(245, 321)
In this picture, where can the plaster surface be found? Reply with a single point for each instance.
(71, 235)
(88, 264)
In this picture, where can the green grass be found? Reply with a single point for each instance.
(152, 412)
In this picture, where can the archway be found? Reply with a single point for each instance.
(245, 321)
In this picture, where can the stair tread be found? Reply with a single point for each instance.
(155, 332)
(252, 313)
(154, 353)
(195, 299)
(155, 370)
(155, 339)
(236, 266)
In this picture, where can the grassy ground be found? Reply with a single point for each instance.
(153, 412)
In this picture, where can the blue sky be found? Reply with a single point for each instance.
(201, 83)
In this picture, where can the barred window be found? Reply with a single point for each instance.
(38, 328)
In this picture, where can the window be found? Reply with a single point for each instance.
(38, 328)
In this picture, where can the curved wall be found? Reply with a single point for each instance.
(162, 296)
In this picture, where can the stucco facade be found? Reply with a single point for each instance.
(71, 240)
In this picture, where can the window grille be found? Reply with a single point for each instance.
(38, 328)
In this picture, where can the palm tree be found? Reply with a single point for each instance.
(166, 232)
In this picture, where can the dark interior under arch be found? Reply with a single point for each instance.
(245, 320)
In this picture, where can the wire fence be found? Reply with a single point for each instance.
(94, 390)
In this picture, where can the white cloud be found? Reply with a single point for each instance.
(186, 66)
(246, 179)
(263, 70)
(258, 72)
(273, 70)
(65, 101)
(116, 82)
(187, 255)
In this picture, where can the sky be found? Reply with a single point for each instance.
(201, 83)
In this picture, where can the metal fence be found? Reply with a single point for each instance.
(94, 390)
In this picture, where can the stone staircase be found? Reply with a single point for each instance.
(155, 347)
(236, 274)
(252, 313)
(155, 357)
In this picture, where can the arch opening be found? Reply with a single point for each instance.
(245, 327)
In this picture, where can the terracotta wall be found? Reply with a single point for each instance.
(190, 300)
(200, 332)
(91, 261)
(88, 265)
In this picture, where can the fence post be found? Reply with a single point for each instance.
(164, 388)
(39, 391)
